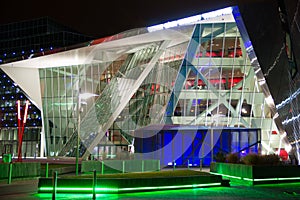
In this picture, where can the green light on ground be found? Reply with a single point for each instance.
(272, 179)
(265, 179)
(114, 190)
(74, 196)
(248, 179)
(81, 189)
(291, 178)
(228, 176)
(170, 187)
(257, 179)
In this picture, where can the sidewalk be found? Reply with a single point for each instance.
(18, 189)
(25, 190)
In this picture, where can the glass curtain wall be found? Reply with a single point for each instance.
(220, 89)
(60, 91)
(119, 108)
(10, 93)
(224, 84)
(148, 104)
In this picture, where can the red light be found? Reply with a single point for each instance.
(26, 110)
(283, 154)
(274, 132)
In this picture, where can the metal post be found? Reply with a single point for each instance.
(200, 164)
(211, 144)
(158, 165)
(78, 132)
(47, 169)
(94, 184)
(9, 173)
(188, 164)
(142, 165)
(173, 165)
(54, 183)
(123, 166)
(102, 167)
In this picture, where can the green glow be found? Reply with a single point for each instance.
(74, 196)
(82, 189)
(277, 179)
(228, 176)
(257, 179)
(271, 179)
(90, 189)
(291, 178)
(265, 179)
(248, 179)
(169, 187)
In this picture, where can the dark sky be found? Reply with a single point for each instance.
(99, 19)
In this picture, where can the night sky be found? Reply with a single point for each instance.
(99, 19)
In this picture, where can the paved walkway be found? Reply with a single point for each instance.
(27, 190)
(18, 189)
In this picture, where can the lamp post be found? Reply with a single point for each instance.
(83, 96)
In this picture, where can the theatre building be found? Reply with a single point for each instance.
(179, 92)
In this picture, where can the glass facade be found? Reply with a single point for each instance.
(195, 74)
(201, 75)
(219, 87)
(193, 145)
(21, 40)
(10, 93)
(60, 91)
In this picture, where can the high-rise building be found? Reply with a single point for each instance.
(179, 91)
(31, 38)
(20, 41)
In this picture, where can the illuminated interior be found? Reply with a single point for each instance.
(194, 71)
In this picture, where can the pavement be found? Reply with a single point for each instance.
(27, 190)
(18, 189)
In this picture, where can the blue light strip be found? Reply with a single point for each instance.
(285, 122)
(289, 99)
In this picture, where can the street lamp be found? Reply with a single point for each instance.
(83, 96)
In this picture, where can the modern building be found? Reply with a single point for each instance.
(180, 91)
(275, 38)
(31, 38)
(20, 41)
